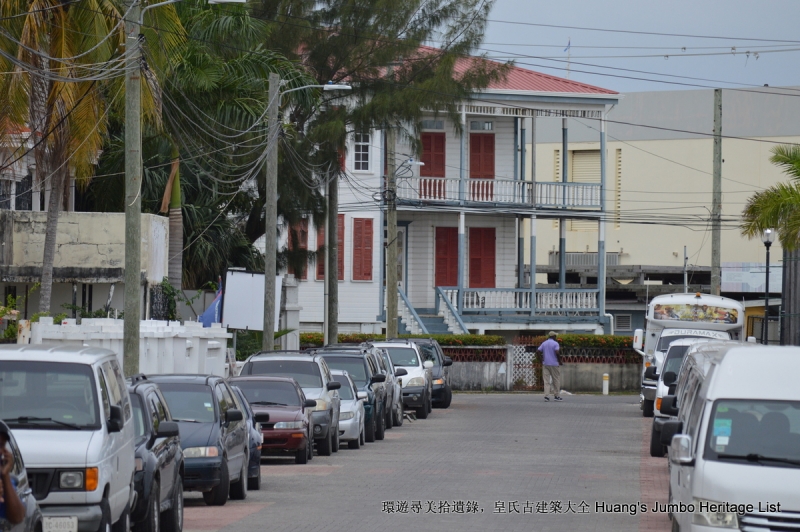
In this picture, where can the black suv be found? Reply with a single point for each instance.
(214, 435)
(431, 350)
(158, 479)
(364, 370)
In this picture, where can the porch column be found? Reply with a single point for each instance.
(521, 219)
(601, 239)
(533, 264)
(462, 241)
(562, 228)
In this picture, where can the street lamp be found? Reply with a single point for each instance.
(768, 237)
(271, 203)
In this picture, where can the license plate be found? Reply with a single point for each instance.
(60, 524)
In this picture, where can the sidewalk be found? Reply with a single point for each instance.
(653, 483)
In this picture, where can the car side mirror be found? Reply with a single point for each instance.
(233, 414)
(427, 364)
(362, 396)
(670, 377)
(670, 429)
(263, 417)
(651, 373)
(638, 334)
(167, 429)
(669, 405)
(447, 361)
(380, 377)
(400, 372)
(309, 403)
(115, 420)
(334, 385)
(672, 388)
(681, 450)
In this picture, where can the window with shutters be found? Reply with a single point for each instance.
(446, 256)
(433, 155)
(482, 257)
(321, 246)
(584, 167)
(361, 152)
(623, 322)
(362, 249)
(298, 239)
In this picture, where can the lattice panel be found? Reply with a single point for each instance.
(526, 368)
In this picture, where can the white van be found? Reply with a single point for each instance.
(734, 448)
(71, 415)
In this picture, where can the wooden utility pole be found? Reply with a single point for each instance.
(716, 199)
(391, 236)
(271, 212)
(332, 257)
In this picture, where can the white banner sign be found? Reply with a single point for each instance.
(243, 301)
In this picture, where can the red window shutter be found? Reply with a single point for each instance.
(298, 234)
(340, 245)
(362, 249)
(320, 254)
(446, 256)
(433, 155)
(481, 156)
(358, 235)
(321, 257)
(366, 267)
(482, 257)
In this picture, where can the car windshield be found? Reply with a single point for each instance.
(429, 353)
(403, 356)
(675, 358)
(665, 341)
(346, 391)
(48, 395)
(189, 402)
(139, 415)
(269, 393)
(305, 372)
(354, 366)
(755, 431)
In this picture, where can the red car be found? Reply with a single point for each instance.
(289, 428)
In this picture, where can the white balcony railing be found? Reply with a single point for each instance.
(548, 301)
(475, 190)
(568, 195)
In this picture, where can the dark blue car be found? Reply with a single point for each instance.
(256, 439)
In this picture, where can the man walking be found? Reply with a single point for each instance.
(551, 366)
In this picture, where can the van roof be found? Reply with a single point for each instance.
(753, 371)
(54, 353)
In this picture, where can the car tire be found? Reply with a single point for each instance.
(310, 447)
(369, 431)
(105, 516)
(388, 420)
(422, 412)
(648, 408)
(656, 449)
(361, 437)
(239, 488)
(354, 444)
(151, 521)
(172, 519)
(324, 447)
(254, 483)
(335, 443)
(380, 428)
(430, 403)
(301, 455)
(218, 495)
(123, 524)
(398, 416)
(447, 399)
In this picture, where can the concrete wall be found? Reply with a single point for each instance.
(588, 377)
(478, 376)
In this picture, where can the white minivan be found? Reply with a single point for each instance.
(734, 448)
(71, 415)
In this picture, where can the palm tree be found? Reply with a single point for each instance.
(779, 207)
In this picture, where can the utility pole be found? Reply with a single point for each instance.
(391, 236)
(271, 212)
(716, 199)
(332, 268)
(685, 272)
(133, 186)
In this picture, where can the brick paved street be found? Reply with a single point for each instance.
(485, 449)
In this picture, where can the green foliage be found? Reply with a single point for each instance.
(586, 340)
(82, 312)
(448, 340)
(249, 342)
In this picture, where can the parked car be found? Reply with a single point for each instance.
(214, 435)
(351, 418)
(734, 448)
(32, 521)
(287, 429)
(396, 375)
(417, 385)
(314, 377)
(254, 437)
(441, 392)
(74, 398)
(363, 369)
(394, 399)
(159, 460)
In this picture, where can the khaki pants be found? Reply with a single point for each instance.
(552, 373)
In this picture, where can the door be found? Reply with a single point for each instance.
(446, 256)
(481, 166)
(690, 409)
(481, 257)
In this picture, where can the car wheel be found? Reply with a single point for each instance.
(448, 398)
(254, 483)
(335, 443)
(361, 437)
(354, 444)
(656, 449)
(123, 524)
(324, 447)
(151, 522)
(388, 420)
(172, 519)
(369, 431)
(422, 412)
(239, 488)
(301, 456)
(310, 447)
(105, 516)
(218, 495)
(430, 403)
(398, 416)
(648, 408)
(380, 428)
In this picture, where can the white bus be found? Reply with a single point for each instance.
(674, 316)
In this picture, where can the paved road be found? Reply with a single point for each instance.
(470, 467)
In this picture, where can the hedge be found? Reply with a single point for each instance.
(582, 340)
(316, 339)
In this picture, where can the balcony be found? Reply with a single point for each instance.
(549, 301)
(505, 192)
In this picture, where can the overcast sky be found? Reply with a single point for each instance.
(758, 26)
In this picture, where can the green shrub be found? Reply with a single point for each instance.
(316, 339)
(585, 340)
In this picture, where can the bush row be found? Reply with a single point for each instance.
(582, 340)
(316, 339)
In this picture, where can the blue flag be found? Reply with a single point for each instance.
(569, 44)
(211, 315)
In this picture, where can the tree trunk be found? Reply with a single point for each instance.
(51, 233)
(176, 231)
